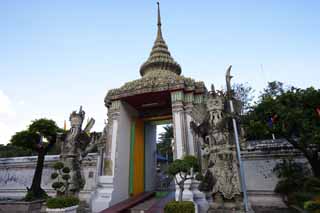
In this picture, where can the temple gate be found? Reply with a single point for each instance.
(162, 94)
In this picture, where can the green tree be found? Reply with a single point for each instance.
(296, 117)
(40, 137)
(164, 143)
(7, 151)
(243, 93)
(182, 170)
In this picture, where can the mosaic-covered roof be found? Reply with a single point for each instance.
(159, 73)
(156, 81)
(160, 57)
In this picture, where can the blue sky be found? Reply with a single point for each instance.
(57, 55)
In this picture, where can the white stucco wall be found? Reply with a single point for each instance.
(122, 155)
(16, 175)
(260, 178)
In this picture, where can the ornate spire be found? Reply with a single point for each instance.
(159, 34)
(160, 57)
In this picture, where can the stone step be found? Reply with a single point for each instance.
(144, 206)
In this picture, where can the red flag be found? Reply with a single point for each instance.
(274, 118)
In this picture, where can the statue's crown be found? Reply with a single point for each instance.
(76, 119)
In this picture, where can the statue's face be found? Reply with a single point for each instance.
(217, 117)
(215, 103)
(76, 121)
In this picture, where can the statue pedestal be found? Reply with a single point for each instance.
(199, 197)
(101, 197)
(187, 194)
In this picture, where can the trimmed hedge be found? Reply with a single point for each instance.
(62, 202)
(179, 207)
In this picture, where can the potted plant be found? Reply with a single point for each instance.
(182, 170)
(64, 201)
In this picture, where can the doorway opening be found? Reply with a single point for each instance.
(150, 154)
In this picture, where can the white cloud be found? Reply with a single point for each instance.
(21, 102)
(5, 106)
(5, 133)
(7, 118)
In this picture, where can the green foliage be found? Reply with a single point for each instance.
(299, 198)
(291, 175)
(54, 175)
(179, 207)
(296, 185)
(274, 89)
(29, 138)
(9, 150)
(312, 184)
(25, 139)
(30, 196)
(243, 93)
(312, 206)
(58, 165)
(288, 168)
(183, 165)
(66, 170)
(40, 136)
(65, 177)
(297, 119)
(62, 177)
(164, 143)
(183, 168)
(57, 185)
(62, 202)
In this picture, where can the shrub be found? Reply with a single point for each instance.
(312, 206)
(292, 176)
(179, 207)
(312, 184)
(66, 177)
(62, 202)
(62, 177)
(286, 186)
(31, 197)
(54, 175)
(57, 185)
(66, 170)
(58, 165)
(299, 198)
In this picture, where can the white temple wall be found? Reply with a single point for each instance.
(16, 175)
(150, 156)
(260, 178)
(122, 155)
(258, 169)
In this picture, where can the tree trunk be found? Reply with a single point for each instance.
(181, 187)
(36, 190)
(315, 166)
